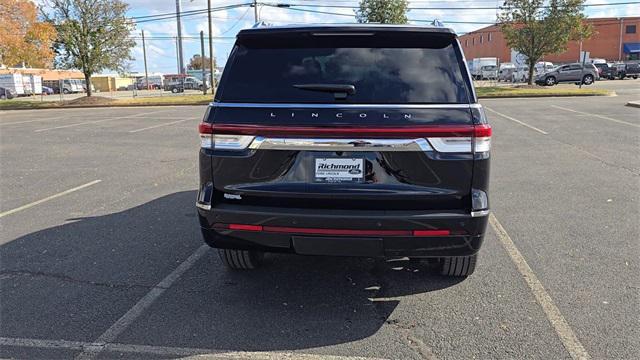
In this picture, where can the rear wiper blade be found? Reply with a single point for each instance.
(340, 91)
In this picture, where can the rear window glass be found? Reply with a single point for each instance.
(423, 72)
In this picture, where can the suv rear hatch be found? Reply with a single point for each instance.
(345, 118)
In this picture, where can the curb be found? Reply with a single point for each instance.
(635, 104)
(514, 96)
(98, 106)
(506, 96)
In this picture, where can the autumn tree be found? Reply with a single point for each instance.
(195, 63)
(383, 11)
(94, 35)
(24, 39)
(535, 29)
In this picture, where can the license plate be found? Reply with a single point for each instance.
(336, 170)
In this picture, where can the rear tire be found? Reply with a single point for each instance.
(459, 265)
(587, 80)
(240, 259)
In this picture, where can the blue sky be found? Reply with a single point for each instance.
(161, 53)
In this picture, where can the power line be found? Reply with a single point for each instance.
(171, 16)
(286, 5)
(225, 7)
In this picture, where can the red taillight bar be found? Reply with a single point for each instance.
(245, 227)
(318, 231)
(483, 130)
(373, 132)
(205, 128)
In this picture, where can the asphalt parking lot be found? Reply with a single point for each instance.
(101, 256)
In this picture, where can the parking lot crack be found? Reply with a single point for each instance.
(633, 171)
(403, 329)
(62, 277)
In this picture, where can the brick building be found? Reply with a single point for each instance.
(613, 39)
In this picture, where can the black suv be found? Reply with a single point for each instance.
(362, 140)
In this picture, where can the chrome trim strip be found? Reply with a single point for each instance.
(319, 144)
(342, 106)
(479, 213)
(203, 206)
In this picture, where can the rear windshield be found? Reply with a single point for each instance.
(398, 69)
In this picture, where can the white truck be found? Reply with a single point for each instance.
(475, 66)
(12, 82)
(32, 84)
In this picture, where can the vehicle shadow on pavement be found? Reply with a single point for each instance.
(90, 271)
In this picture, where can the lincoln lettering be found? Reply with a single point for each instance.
(340, 115)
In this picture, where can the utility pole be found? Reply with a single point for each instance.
(177, 55)
(255, 10)
(211, 66)
(202, 63)
(144, 55)
(179, 24)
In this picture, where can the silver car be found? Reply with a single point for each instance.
(574, 73)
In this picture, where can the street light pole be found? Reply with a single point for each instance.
(203, 64)
(144, 54)
(179, 24)
(255, 10)
(211, 65)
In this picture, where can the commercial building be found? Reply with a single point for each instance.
(613, 39)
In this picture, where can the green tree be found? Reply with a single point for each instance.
(195, 63)
(383, 11)
(535, 29)
(94, 35)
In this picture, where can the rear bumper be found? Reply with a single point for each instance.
(368, 231)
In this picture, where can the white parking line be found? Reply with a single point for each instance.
(518, 121)
(170, 351)
(560, 325)
(161, 125)
(98, 121)
(130, 316)
(26, 206)
(34, 120)
(596, 115)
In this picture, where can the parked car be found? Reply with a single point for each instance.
(319, 142)
(489, 72)
(628, 69)
(521, 74)
(174, 86)
(506, 72)
(47, 90)
(574, 73)
(192, 83)
(6, 93)
(543, 67)
(605, 71)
